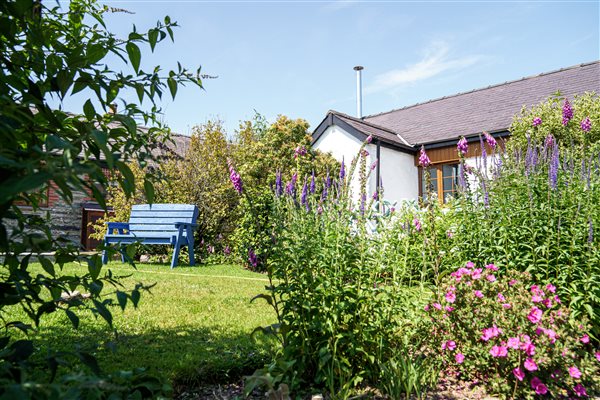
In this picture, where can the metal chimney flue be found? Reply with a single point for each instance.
(358, 70)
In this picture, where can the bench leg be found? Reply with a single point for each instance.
(190, 243)
(175, 255)
(104, 254)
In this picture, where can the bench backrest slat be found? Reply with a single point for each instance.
(161, 217)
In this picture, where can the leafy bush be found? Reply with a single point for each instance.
(518, 341)
(575, 124)
(341, 315)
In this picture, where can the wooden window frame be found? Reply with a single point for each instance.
(438, 169)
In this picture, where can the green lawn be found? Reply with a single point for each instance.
(193, 327)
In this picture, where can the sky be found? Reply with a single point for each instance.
(296, 58)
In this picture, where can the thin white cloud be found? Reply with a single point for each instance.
(338, 5)
(436, 60)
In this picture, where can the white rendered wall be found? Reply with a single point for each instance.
(399, 175)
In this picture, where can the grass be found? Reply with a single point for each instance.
(194, 327)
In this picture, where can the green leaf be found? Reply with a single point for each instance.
(152, 38)
(95, 52)
(103, 311)
(64, 79)
(149, 190)
(135, 297)
(122, 299)
(89, 110)
(94, 268)
(133, 51)
(172, 86)
(47, 266)
(73, 317)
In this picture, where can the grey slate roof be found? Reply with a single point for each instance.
(488, 109)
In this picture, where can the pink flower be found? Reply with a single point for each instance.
(506, 305)
(551, 335)
(450, 297)
(450, 345)
(536, 298)
(426, 308)
(489, 333)
(547, 303)
(499, 351)
(492, 267)
(530, 365)
(459, 357)
(491, 278)
(476, 273)
(551, 288)
(513, 343)
(449, 309)
(501, 297)
(478, 293)
(512, 282)
(469, 264)
(597, 355)
(580, 390)
(519, 373)
(574, 372)
(535, 315)
(437, 306)
(585, 339)
(530, 349)
(538, 386)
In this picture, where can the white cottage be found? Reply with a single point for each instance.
(438, 125)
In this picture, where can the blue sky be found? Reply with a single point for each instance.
(296, 58)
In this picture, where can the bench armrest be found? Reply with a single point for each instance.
(117, 225)
(185, 224)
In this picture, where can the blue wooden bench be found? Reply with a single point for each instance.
(156, 224)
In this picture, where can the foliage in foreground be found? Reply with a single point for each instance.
(46, 55)
(519, 340)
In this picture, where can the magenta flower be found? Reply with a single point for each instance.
(597, 355)
(585, 339)
(499, 351)
(252, 259)
(424, 161)
(476, 273)
(227, 250)
(491, 278)
(462, 146)
(374, 165)
(469, 264)
(536, 298)
(551, 288)
(547, 303)
(449, 309)
(519, 373)
(489, 333)
(529, 349)
(342, 170)
(437, 306)
(567, 112)
(492, 267)
(459, 357)
(450, 345)
(490, 140)
(530, 365)
(417, 224)
(513, 343)
(574, 372)
(586, 124)
(235, 178)
(535, 315)
(450, 297)
(537, 121)
(478, 293)
(506, 305)
(369, 139)
(538, 386)
(513, 282)
(580, 390)
(299, 151)
(501, 297)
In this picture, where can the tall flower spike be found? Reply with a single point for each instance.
(312, 183)
(325, 188)
(586, 124)
(537, 121)
(304, 193)
(462, 146)
(342, 170)
(554, 166)
(235, 178)
(424, 160)
(567, 113)
(490, 140)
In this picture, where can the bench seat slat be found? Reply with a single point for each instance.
(158, 220)
(163, 207)
(161, 214)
